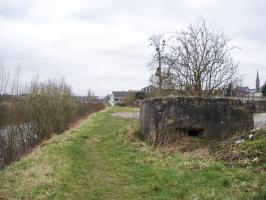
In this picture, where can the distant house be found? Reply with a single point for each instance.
(117, 97)
(150, 88)
(241, 91)
(257, 94)
(244, 90)
(251, 91)
(254, 93)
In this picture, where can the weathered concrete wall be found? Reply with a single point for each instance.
(166, 120)
(259, 103)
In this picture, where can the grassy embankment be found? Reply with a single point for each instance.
(103, 160)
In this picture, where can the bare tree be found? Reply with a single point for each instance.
(203, 61)
(15, 86)
(161, 62)
(4, 79)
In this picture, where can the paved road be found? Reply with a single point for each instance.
(260, 120)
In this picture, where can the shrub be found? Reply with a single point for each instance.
(140, 95)
(129, 100)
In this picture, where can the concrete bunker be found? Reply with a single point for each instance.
(164, 120)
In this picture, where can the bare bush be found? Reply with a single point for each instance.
(47, 108)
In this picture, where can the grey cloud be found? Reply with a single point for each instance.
(104, 65)
(14, 9)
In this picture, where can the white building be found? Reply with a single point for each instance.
(117, 97)
(150, 88)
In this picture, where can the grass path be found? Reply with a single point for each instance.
(102, 160)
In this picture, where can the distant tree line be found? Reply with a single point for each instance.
(196, 61)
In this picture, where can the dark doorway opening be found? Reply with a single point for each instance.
(196, 132)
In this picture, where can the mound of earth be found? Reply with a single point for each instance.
(248, 148)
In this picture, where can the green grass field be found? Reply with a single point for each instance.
(102, 159)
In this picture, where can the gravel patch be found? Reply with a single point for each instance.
(128, 115)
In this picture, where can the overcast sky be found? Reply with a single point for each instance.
(103, 44)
